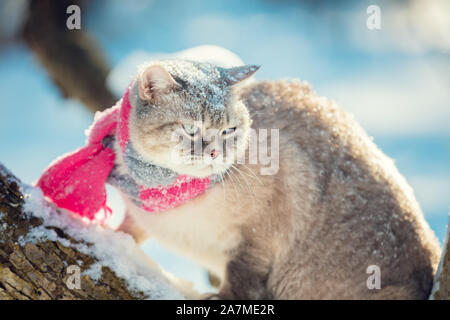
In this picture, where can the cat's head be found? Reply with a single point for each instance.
(187, 118)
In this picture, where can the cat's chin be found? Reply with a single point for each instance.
(202, 172)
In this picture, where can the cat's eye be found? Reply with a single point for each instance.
(228, 131)
(191, 129)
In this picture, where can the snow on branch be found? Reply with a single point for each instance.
(42, 247)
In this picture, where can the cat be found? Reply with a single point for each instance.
(336, 207)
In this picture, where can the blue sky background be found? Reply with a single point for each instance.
(395, 80)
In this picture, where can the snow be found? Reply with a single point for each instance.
(116, 250)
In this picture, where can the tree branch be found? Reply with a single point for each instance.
(71, 57)
(35, 267)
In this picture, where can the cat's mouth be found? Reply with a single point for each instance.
(202, 170)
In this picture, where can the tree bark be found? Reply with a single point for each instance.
(71, 57)
(441, 288)
(38, 270)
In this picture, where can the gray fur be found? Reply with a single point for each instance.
(347, 208)
(146, 173)
(336, 206)
(232, 76)
(126, 184)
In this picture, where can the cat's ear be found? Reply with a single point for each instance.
(153, 81)
(238, 74)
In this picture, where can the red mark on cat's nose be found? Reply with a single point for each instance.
(214, 154)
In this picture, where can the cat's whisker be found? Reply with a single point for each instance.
(232, 183)
(223, 187)
(246, 182)
(259, 180)
(245, 173)
(237, 178)
(236, 187)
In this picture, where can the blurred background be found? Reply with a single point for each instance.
(395, 80)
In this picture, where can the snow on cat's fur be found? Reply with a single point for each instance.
(336, 206)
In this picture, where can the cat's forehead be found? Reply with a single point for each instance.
(196, 73)
(202, 81)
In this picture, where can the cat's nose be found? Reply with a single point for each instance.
(214, 153)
